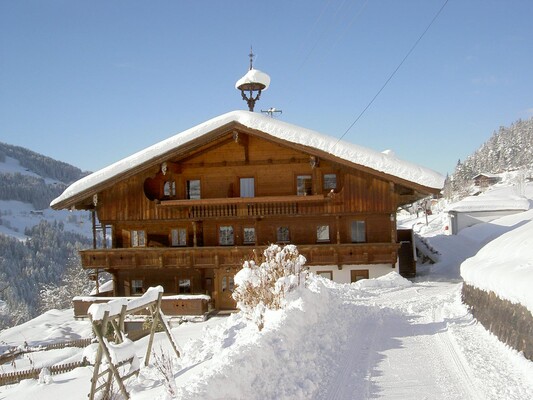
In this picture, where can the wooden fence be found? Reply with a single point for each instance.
(17, 376)
(14, 352)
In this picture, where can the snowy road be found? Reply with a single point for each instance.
(422, 344)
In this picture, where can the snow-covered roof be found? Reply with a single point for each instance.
(491, 202)
(385, 163)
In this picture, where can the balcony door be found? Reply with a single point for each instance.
(247, 187)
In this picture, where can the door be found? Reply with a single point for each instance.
(226, 285)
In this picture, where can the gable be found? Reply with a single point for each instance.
(282, 138)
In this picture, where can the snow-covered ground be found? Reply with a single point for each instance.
(382, 338)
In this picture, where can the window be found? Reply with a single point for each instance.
(184, 286)
(282, 234)
(325, 274)
(136, 286)
(228, 284)
(358, 231)
(193, 189)
(304, 185)
(322, 233)
(248, 235)
(247, 187)
(225, 236)
(169, 189)
(357, 275)
(330, 181)
(138, 238)
(179, 237)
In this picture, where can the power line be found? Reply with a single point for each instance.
(393, 73)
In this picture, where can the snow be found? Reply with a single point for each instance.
(386, 338)
(254, 76)
(114, 306)
(493, 200)
(505, 265)
(386, 163)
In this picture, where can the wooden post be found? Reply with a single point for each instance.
(93, 217)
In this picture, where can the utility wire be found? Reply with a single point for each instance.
(393, 73)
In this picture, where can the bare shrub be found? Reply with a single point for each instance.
(263, 284)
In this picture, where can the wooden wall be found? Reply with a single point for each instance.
(132, 203)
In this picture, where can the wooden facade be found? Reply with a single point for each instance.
(188, 218)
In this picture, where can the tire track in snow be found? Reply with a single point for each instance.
(463, 372)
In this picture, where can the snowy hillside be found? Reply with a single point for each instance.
(386, 337)
(37, 244)
(507, 150)
(25, 195)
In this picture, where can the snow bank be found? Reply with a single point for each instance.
(391, 280)
(505, 265)
(386, 163)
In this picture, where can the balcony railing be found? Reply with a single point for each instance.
(234, 256)
(247, 206)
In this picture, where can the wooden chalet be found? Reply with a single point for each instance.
(186, 212)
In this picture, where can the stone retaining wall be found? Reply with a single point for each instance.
(511, 323)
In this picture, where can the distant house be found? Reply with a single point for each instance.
(186, 212)
(487, 207)
(485, 180)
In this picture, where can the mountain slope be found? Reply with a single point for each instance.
(508, 149)
(37, 244)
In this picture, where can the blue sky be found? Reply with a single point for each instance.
(90, 83)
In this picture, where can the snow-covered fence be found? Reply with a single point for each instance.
(15, 351)
(17, 376)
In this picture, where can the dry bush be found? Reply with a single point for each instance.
(263, 284)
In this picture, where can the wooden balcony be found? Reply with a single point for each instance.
(247, 206)
(234, 256)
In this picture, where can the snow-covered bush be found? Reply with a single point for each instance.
(263, 285)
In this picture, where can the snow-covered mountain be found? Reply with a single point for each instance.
(508, 149)
(36, 243)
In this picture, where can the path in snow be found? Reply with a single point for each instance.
(414, 349)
